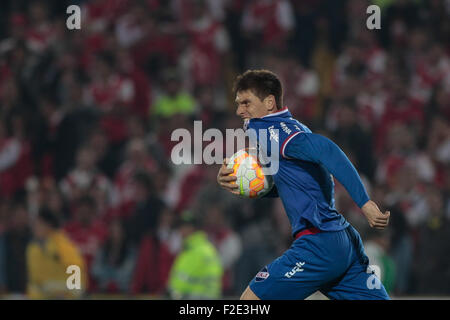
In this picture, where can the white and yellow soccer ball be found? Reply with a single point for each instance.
(252, 181)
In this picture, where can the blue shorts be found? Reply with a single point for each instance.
(333, 263)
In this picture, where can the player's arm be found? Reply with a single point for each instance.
(319, 149)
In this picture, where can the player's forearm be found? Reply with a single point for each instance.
(318, 149)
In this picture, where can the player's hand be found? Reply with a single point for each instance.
(376, 218)
(225, 180)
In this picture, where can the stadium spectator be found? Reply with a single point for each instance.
(174, 99)
(48, 256)
(432, 264)
(114, 263)
(112, 93)
(107, 155)
(137, 159)
(74, 122)
(351, 136)
(377, 249)
(147, 209)
(157, 250)
(197, 271)
(209, 44)
(137, 71)
(259, 245)
(15, 157)
(150, 225)
(17, 238)
(401, 251)
(88, 232)
(40, 31)
(85, 176)
(438, 144)
(157, 50)
(268, 23)
(142, 97)
(226, 241)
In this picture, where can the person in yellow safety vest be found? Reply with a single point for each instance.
(56, 269)
(175, 100)
(197, 270)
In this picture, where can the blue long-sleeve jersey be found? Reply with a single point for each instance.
(304, 179)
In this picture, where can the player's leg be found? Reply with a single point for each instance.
(300, 271)
(357, 283)
(248, 294)
(277, 286)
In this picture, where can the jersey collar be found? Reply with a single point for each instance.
(282, 113)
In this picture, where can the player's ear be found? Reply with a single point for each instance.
(269, 102)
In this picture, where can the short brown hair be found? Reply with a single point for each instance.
(262, 83)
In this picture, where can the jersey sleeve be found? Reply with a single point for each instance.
(319, 149)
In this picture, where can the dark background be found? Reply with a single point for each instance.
(83, 111)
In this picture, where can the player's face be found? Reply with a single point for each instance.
(250, 106)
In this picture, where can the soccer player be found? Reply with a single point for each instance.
(327, 253)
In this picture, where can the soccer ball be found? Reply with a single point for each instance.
(252, 181)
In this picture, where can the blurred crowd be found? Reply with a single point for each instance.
(86, 118)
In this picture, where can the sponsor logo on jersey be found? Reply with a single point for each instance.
(273, 134)
(297, 268)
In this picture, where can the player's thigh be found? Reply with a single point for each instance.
(357, 284)
(297, 274)
(248, 294)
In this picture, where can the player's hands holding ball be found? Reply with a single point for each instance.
(225, 180)
(376, 218)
